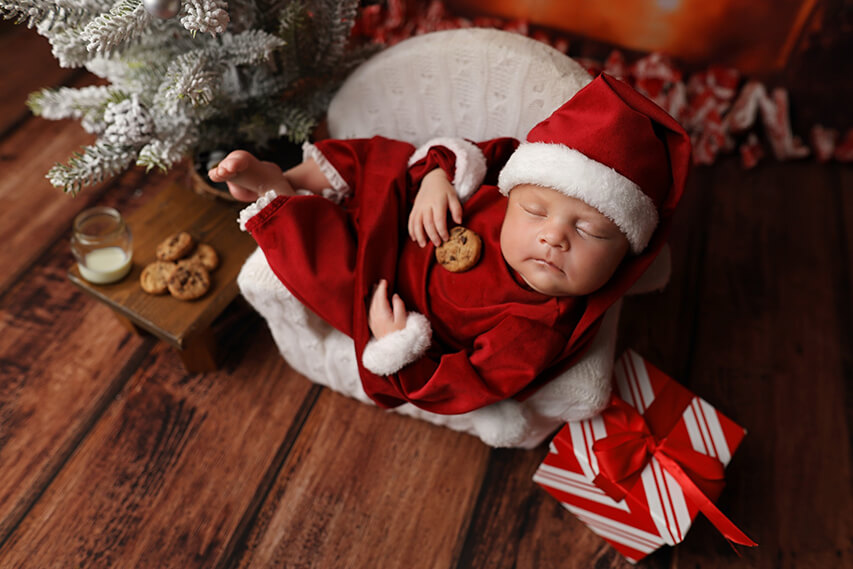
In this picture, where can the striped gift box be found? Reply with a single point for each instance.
(654, 510)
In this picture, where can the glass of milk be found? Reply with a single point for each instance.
(102, 244)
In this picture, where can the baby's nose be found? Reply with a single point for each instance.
(554, 239)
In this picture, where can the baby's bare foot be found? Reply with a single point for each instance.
(247, 177)
(236, 162)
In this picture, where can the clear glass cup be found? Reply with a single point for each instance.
(102, 244)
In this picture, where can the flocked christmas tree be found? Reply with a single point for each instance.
(188, 76)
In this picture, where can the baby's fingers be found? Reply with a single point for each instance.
(399, 312)
(379, 302)
(439, 216)
(455, 209)
(429, 227)
(416, 229)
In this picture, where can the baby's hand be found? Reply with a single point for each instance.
(247, 177)
(428, 219)
(382, 318)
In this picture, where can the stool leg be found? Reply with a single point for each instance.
(199, 352)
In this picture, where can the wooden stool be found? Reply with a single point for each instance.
(184, 325)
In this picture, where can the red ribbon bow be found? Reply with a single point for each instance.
(637, 438)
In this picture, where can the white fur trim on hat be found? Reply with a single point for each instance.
(572, 173)
(470, 164)
(391, 353)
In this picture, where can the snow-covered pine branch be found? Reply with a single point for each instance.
(170, 147)
(128, 123)
(295, 123)
(91, 165)
(335, 19)
(47, 13)
(192, 77)
(248, 47)
(67, 46)
(196, 76)
(205, 15)
(67, 102)
(126, 20)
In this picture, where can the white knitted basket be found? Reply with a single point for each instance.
(471, 83)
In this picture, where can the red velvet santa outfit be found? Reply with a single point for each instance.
(481, 336)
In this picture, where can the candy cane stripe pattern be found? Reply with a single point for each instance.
(655, 510)
(638, 542)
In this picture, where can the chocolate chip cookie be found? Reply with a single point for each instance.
(205, 255)
(461, 251)
(175, 247)
(155, 277)
(189, 281)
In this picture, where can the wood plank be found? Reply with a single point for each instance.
(657, 325)
(768, 355)
(33, 214)
(171, 473)
(62, 359)
(517, 524)
(845, 283)
(23, 52)
(364, 488)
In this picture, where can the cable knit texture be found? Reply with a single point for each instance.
(475, 84)
(470, 164)
(389, 354)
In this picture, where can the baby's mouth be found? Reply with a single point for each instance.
(548, 264)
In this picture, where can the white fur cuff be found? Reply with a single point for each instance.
(255, 208)
(391, 353)
(470, 164)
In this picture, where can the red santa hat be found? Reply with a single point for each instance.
(613, 149)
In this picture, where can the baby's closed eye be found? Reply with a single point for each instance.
(534, 210)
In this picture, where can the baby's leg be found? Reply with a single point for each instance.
(247, 177)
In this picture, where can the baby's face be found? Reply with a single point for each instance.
(559, 245)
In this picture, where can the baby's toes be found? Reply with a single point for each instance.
(217, 174)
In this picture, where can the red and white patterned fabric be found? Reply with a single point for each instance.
(670, 450)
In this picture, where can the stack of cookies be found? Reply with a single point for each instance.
(182, 268)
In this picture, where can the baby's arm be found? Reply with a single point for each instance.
(248, 178)
(428, 218)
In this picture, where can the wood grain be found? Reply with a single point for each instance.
(517, 524)
(659, 325)
(844, 208)
(167, 476)
(34, 213)
(387, 492)
(64, 359)
(30, 52)
(767, 355)
(111, 455)
(61, 362)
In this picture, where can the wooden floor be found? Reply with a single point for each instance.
(112, 456)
